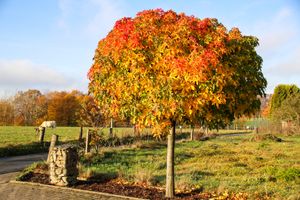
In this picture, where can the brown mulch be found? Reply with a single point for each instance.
(114, 187)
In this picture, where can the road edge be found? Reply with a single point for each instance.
(74, 190)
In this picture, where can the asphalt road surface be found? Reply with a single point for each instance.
(17, 163)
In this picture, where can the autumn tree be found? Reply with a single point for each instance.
(163, 68)
(6, 112)
(28, 107)
(62, 107)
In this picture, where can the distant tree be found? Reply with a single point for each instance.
(162, 68)
(42, 109)
(289, 110)
(6, 113)
(282, 92)
(27, 107)
(265, 112)
(63, 106)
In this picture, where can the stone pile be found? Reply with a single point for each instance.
(63, 165)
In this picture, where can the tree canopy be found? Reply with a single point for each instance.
(281, 93)
(161, 66)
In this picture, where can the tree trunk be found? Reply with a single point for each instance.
(170, 184)
(206, 131)
(192, 132)
(87, 141)
(111, 128)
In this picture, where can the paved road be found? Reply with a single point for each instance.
(17, 163)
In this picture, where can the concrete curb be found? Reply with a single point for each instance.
(74, 190)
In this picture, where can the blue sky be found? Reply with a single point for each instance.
(49, 45)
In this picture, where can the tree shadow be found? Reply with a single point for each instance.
(99, 178)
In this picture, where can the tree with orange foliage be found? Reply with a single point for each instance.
(63, 106)
(163, 68)
(6, 113)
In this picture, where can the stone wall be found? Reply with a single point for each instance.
(63, 165)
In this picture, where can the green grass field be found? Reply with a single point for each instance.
(20, 140)
(262, 169)
(15, 135)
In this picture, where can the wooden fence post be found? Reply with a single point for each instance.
(42, 135)
(87, 141)
(54, 140)
(80, 134)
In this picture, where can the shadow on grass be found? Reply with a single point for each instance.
(29, 148)
(100, 178)
(24, 149)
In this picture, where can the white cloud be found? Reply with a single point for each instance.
(24, 73)
(105, 16)
(288, 67)
(99, 16)
(279, 47)
(284, 71)
(276, 31)
(21, 75)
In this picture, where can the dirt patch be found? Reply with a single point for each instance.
(115, 187)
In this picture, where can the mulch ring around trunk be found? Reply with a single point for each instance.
(114, 187)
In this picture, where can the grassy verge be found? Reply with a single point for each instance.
(34, 167)
(262, 169)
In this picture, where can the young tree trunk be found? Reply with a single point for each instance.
(87, 141)
(111, 128)
(170, 184)
(192, 132)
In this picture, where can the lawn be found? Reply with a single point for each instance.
(21, 140)
(262, 169)
(16, 135)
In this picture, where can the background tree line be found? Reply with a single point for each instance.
(31, 108)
